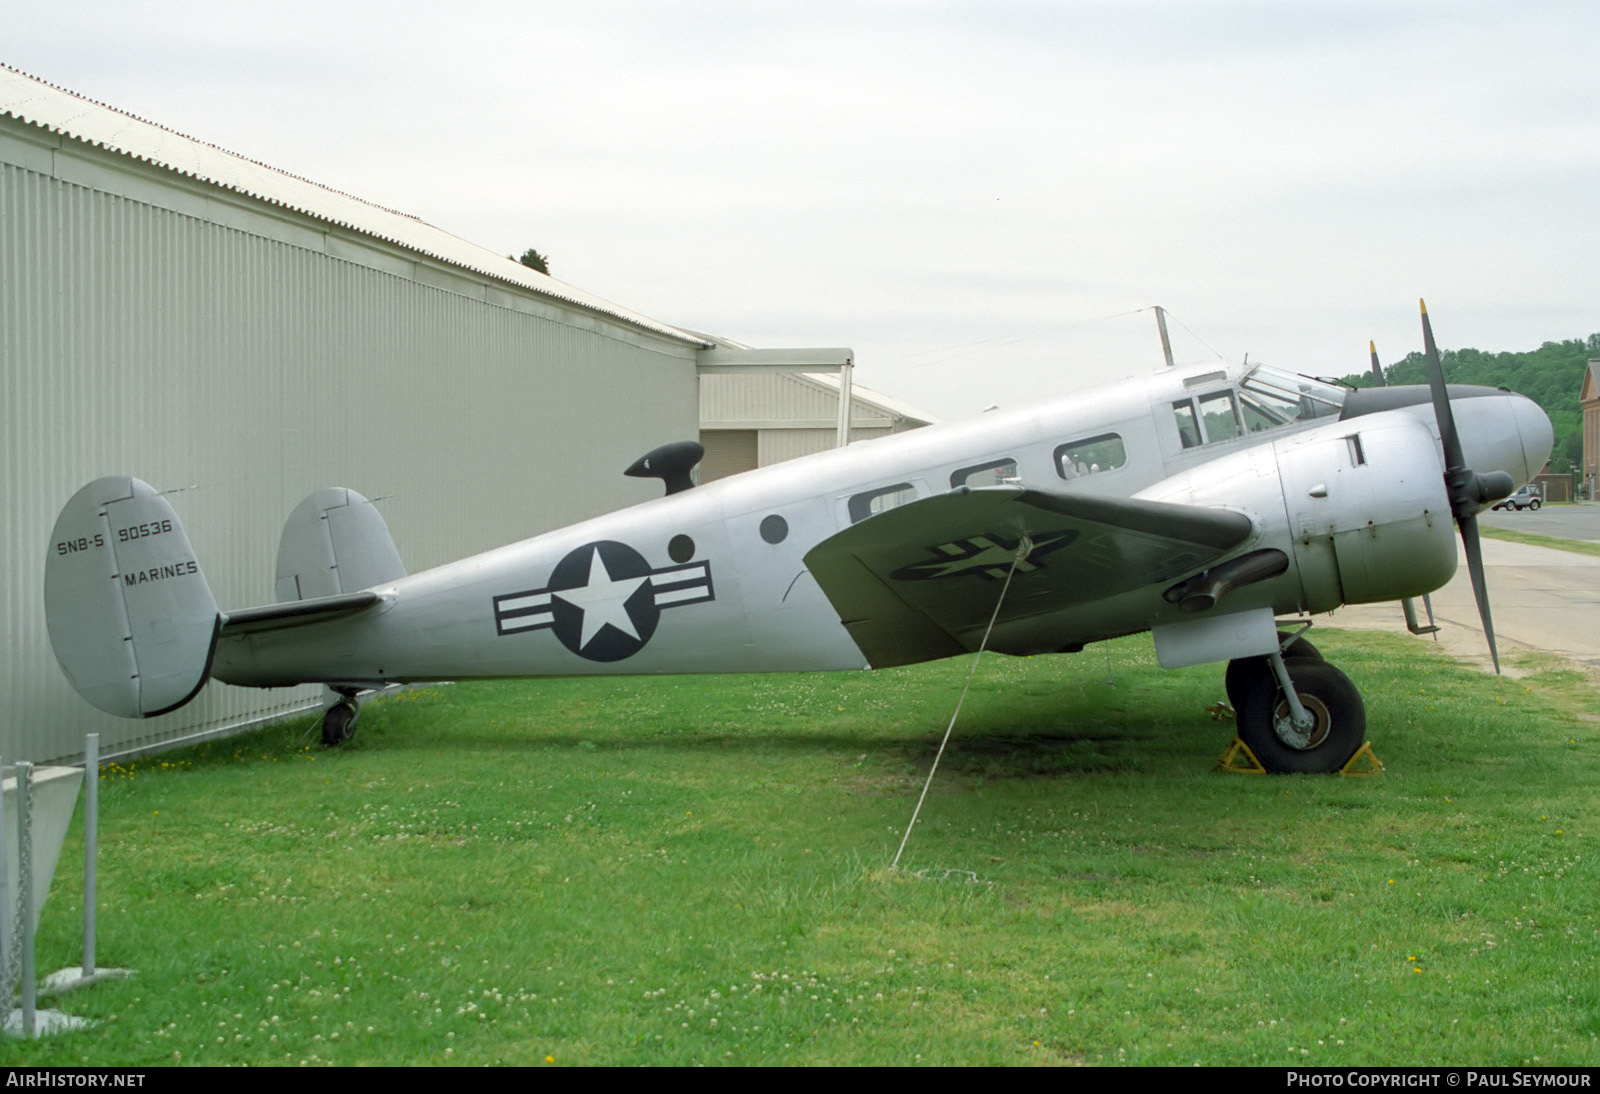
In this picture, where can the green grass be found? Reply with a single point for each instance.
(693, 870)
(1511, 535)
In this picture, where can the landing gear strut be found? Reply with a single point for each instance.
(1243, 672)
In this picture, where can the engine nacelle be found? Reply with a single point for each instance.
(1368, 516)
(1359, 507)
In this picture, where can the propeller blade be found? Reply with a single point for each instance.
(1377, 369)
(1454, 461)
(1480, 588)
(1466, 490)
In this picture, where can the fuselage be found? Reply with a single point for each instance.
(713, 579)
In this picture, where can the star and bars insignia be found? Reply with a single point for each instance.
(604, 600)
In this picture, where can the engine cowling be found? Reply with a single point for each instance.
(1367, 513)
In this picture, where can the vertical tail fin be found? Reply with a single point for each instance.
(335, 542)
(131, 618)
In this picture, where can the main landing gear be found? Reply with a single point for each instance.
(1295, 711)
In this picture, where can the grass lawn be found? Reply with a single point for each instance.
(693, 870)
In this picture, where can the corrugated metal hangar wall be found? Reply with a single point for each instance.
(241, 354)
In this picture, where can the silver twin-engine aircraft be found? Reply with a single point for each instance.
(1201, 504)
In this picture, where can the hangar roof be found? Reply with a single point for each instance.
(887, 405)
(58, 110)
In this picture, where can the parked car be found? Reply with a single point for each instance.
(1526, 498)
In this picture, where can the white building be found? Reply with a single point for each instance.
(766, 417)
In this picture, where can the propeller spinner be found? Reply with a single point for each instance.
(1467, 489)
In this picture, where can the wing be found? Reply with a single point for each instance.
(921, 581)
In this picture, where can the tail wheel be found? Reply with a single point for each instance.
(1338, 720)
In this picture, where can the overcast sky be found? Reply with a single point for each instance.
(978, 197)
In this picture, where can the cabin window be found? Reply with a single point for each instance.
(1221, 416)
(872, 502)
(993, 473)
(1188, 427)
(1217, 419)
(1090, 456)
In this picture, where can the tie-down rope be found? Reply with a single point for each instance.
(1024, 548)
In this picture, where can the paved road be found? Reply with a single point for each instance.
(1542, 599)
(1580, 521)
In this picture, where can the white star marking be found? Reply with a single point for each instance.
(602, 600)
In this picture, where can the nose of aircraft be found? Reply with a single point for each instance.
(1533, 426)
(1505, 432)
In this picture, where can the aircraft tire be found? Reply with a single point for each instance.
(1335, 704)
(1244, 671)
(339, 723)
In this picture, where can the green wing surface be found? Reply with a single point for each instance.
(921, 581)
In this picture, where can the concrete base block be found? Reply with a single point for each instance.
(45, 1022)
(65, 980)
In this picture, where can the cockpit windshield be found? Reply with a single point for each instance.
(1271, 398)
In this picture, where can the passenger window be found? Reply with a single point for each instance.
(1188, 428)
(993, 473)
(1104, 452)
(1220, 416)
(872, 502)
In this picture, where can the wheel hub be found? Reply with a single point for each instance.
(1302, 740)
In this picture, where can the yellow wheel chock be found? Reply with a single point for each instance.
(1364, 762)
(1239, 760)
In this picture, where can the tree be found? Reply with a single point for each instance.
(534, 260)
(1551, 376)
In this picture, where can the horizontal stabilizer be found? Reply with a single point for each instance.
(296, 613)
(131, 619)
(921, 581)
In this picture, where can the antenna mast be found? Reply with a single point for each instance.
(1161, 325)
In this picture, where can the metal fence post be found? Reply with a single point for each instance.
(25, 889)
(91, 844)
